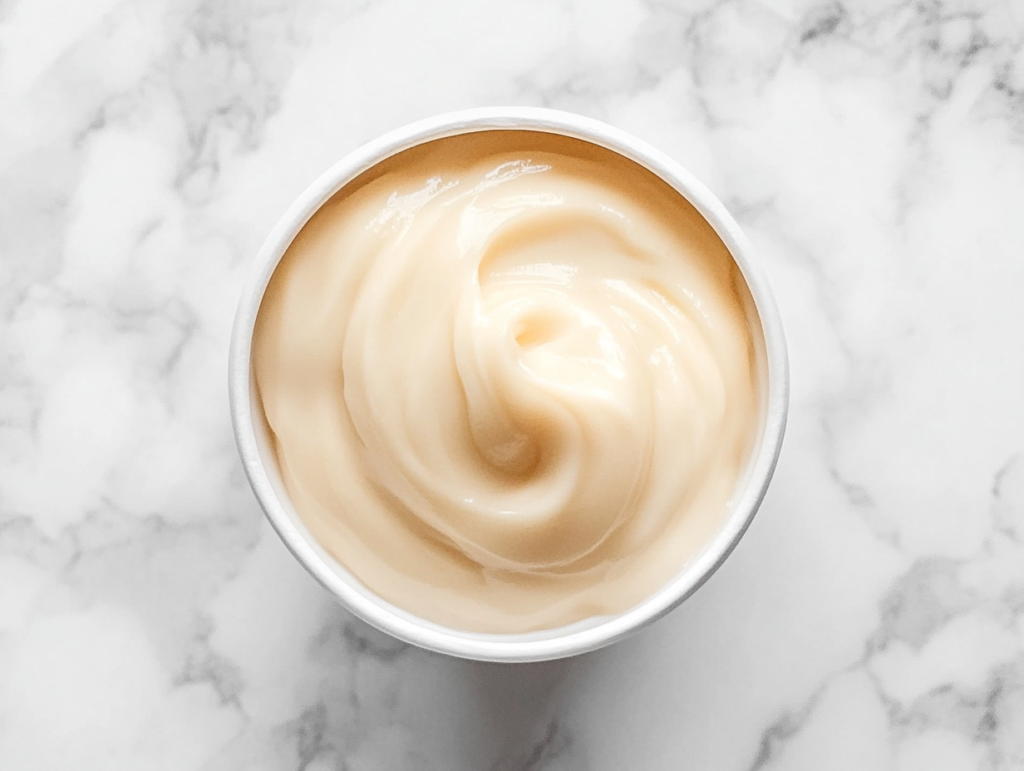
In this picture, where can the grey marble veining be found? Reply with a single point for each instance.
(873, 617)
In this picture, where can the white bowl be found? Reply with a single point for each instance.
(261, 467)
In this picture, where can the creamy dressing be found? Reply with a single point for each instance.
(509, 379)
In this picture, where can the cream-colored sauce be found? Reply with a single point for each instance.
(510, 380)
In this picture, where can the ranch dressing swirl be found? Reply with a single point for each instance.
(509, 379)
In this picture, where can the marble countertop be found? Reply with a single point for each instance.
(873, 616)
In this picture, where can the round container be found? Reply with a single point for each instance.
(261, 467)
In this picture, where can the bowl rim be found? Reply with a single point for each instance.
(402, 624)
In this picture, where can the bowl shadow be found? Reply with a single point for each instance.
(452, 713)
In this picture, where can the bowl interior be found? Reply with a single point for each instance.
(252, 433)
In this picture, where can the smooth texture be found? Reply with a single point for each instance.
(510, 380)
(254, 442)
(869, 619)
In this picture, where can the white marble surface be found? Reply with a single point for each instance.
(873, 617)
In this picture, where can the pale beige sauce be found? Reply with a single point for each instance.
(510, 380)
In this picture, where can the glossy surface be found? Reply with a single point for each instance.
(510, 380)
